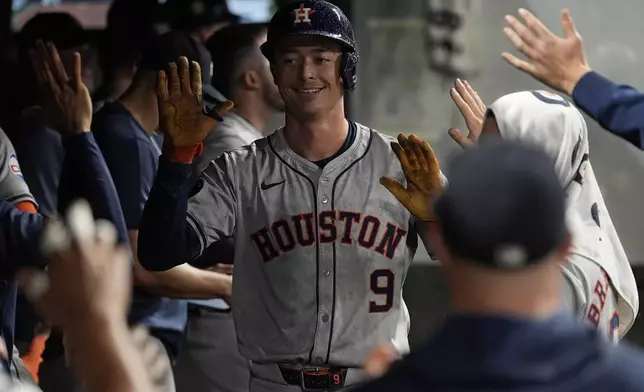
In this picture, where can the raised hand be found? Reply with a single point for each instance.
(422, 173)
(66, 103)
(181, 114)
(555, 61)
(472, 109)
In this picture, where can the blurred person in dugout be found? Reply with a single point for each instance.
(131, 26)
(211, 361)
(103, 352)
(126, 132)
(201, 19)
(90, 327)
(39, 147)
(17, 326)
(83, 174)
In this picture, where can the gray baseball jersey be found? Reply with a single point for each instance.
(13, 187)
(591, 296)
(234, 132)
(320, 254)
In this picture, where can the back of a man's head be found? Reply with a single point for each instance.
(66, 33)
(503, 220)
(128, 15)
(167, 49)
(200, 18)
(59, 28)
(234, 50)
(130, 28)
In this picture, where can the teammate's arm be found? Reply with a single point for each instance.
(67, 107)
(617, 108)
(85, 175)
(13, 187)
(12, 184)
(132, 179)
(561, 63)
(183, 281)
(165, 238)
(20, 234)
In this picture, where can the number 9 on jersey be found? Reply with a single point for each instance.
(381, 283)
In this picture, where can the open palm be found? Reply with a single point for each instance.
(422, 172)
(179, 94)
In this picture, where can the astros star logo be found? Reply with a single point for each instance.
(302, 14)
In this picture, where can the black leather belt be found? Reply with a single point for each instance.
(315, 379)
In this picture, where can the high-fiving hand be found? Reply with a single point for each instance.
(472, 109)
(558, 62)
(66, 103)
(422, 172)
(180, 99)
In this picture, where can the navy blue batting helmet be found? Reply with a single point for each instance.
(318, 18)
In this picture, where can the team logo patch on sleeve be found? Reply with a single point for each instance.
(15, 167)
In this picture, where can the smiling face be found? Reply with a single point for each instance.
(306, 70)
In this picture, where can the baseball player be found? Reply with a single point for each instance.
(84, 175)
(502, 238)
(15, 192)
(13, 187)
(321, 247)
(244, 75)
(599, 281)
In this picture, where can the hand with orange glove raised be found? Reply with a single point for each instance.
(423, 176)
(182, 118)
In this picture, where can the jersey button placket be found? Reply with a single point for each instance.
(325, 278)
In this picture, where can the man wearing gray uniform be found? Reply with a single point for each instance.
(13, 187)
(321, 247)
(599, 281)
(244, 75)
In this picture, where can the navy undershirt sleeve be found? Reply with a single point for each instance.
(617, 108)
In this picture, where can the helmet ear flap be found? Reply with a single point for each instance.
(349, 69)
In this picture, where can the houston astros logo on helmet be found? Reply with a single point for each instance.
(302, 14)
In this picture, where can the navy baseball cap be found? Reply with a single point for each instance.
(60, 28)
(169, 47)
(504, 206)
(191, 14)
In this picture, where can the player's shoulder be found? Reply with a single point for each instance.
(378, 141)
(248, 153)
(3, 136)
